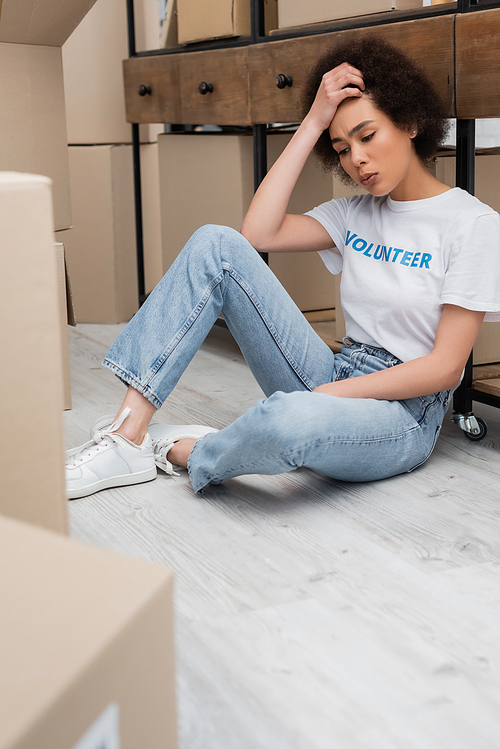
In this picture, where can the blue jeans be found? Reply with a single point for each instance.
(350, 439)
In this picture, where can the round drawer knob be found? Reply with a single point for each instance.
(205, 88)
(143, 90)
(282, 81)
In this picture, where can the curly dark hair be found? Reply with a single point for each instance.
(396, 85)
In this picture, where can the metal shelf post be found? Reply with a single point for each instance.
(136, 155)
(465, 178)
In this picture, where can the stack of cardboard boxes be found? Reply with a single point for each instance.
(32, 117)
(101, 246)
(86, 641)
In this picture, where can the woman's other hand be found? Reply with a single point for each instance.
(338, 84)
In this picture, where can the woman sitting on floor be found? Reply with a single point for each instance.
(420, 269)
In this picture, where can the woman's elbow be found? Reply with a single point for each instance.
(252, 236)
(249, 234)
(452, 378)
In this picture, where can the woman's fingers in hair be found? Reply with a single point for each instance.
(338, 84)
(344, 76)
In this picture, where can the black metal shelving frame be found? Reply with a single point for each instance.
(465, 150)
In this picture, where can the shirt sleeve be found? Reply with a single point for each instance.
(333, 217)
(472, 279)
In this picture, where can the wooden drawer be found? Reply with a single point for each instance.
(225, 71)
(430, 41)
(159, 73)
(478, 64)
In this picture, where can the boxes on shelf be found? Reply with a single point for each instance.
(86, 646)
(208, 179)
(198, 20)
(101, 248)
(31, 377)
(298, 13)
(487, 345)
(93, 78)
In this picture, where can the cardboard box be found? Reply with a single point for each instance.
(33, 121)
(208, 179)
(151, 216)
(93, 77)
(49, 23)
(204, 179)
(86, 646)
(303, 274)
(169, 36)
(198, 19)
(101, 247)
(32, 116)
(32, 486)
(298, 13)
(487, 345)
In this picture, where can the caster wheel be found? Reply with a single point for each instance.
(482, 431)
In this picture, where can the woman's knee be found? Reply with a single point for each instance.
(283, 414)
(217, 233)
(222, 242)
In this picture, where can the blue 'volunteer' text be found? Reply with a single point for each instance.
(388, 254)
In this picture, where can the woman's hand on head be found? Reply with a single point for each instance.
(336, 85)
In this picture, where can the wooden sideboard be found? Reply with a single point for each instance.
(459, 51)
(243, 79)
(477, 64)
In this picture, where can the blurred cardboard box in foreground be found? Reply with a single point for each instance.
(32, 485)
(86, 646)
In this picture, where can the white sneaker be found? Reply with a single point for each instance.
(108, 460)
(163, 437)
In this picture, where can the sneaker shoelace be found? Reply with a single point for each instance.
(161, 449)
(102, 438)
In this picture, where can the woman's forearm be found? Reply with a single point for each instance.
(266, 215)
(439, 370)
(428, 374)
(266, 225)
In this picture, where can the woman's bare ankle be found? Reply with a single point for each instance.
(136, 424)
(179, 454)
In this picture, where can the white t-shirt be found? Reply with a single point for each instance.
(402, 260)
